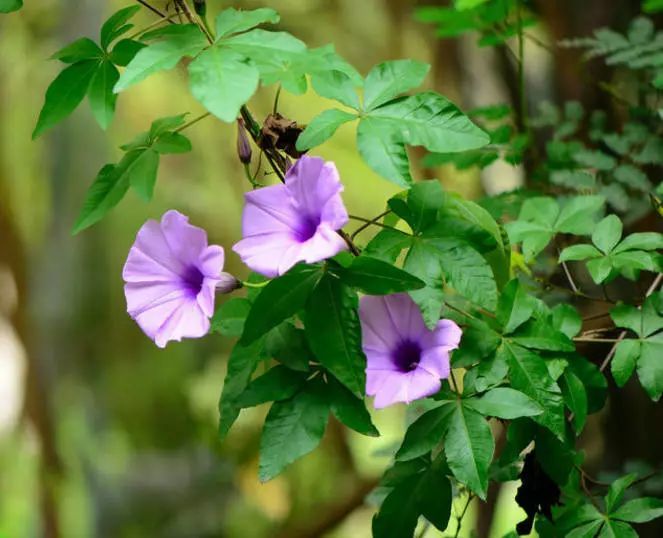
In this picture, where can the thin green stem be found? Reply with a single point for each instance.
(193, 122)
(275, 108)
(459, 518)
(168, 19)
(372, 222)
(454, 383)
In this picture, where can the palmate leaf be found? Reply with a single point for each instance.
(232, 21)
(180, 41)
(100, 93)
(642, 353)
(323, 127)
(335, 337)
(292, 429)
(78, 51)
(424, 490)
(242, 363)
(64, 94)
(376, 277)
(506, 403)
(279, 300)
(469, 447)
(349, 409)
(426, 119)
(222, 81)
(541, 218)
(116, 25)
(390, 79)
(279, 383)
(137, 168)
(528, 373)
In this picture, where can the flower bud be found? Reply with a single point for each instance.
(227, 283)
(200, 6)
(243, 145)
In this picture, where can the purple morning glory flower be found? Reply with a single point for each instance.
(170, 279)
(294, 222)
(405, 360)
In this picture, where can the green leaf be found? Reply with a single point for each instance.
(424, 200)
(650, 367)
(390, 79)
(142, 171)
(293, 428)
(242, 362)
(279, 300)
(279, 383)
(426, 491)
(426, 432)
(539, 334)
(587, 530)
(515, 306)
(423, 261)
(376, 277)
(267, 49)
(172, 143)
(7, 6)
(565, 319)
(100, 93)
(607, 233)
(323, 127)
(575, 397)
(183, 40)
(106, 191)
(633, 177)
(595, 159)
(617, 489)
(528, 373)
(350, 410)
(387, 245)
(506, 403)
(222, 81)
(337, 85)
(428, 119)
(469, 446)
(640, 510)
(116, 25)
(229, 318)
(640, 241)
(624, 361)
(168, 123)
(617, 529)
(64, 94)
(124, 51)
(382, 150)
(578, 215)
(288, 345)
(599, 269)
(232, 21)
(335, 337)
(579, 252)
(79, 50)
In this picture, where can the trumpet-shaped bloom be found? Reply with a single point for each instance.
(294, 222)
(170, 278)
(405, 360)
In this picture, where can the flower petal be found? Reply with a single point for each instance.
(378, 329)
(312, 182)
(211, 261)
(262, 253)
(186, 242)
(324, 244)
(446, 335)
(269, 210)
(435, 361)
(150, 258)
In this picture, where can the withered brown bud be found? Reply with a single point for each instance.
(243, 145)
(280, 133)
